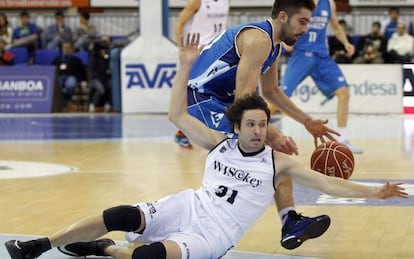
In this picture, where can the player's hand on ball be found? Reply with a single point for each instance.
(320, 131)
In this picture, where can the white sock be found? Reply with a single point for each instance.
(283, 214)
(343, 132)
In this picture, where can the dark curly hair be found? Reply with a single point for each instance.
(253, 101)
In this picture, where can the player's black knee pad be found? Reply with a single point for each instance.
(123, 218)
(153, 251)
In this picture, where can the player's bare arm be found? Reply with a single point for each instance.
(339, 32)
(190, 9)
(195, 130)
(272, 92)
(334, 186)
(253, 46)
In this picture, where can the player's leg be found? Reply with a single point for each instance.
(159, 219)
(125, 218)
(342, 110)
(331, 82)
(177, 246)
(296, 228)
(297, 68)
(156, 250)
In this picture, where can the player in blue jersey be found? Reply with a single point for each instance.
(232, 65)
(310, 57)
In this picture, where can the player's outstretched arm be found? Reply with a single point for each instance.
(389, 190)
(195, 130)
(333, 185)
(339, 32)
(274, 94)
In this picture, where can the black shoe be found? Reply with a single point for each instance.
(298, 229)
(95, 247)
(21, 250)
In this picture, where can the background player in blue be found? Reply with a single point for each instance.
(207, 222)
(310, 56)
(232, 65)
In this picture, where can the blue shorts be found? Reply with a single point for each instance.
(210, 111)
(322, 69)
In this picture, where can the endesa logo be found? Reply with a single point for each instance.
(139, 76)
(365, 88)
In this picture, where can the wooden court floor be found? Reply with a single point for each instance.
(126, 159)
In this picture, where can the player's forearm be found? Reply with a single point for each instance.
(246, 82)
(278, 98)
(341, 36)
(178, 33)
(347, 189)
(178, 97)
(272, 135)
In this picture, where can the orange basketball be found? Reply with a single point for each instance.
(333, 159)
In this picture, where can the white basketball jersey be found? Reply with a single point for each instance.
(210, 20)
(237, 188)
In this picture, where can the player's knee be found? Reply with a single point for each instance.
(123, 218)
(153, 251)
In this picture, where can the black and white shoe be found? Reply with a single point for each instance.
(21, 250)
(95, 247)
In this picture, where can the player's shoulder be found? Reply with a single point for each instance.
(254, 35)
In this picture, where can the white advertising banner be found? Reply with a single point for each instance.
(375, 89)
(381, 2)
(146, 82)
(148, 66)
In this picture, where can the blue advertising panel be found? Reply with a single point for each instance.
(27, 89)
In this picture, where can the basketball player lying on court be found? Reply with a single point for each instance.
(231, 66)
(239, 182)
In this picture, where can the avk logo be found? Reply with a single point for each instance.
(138, 76)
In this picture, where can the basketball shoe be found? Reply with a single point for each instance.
(354, 149)
(182, 140)
(95, 247)
(297, 229)
(27, 250)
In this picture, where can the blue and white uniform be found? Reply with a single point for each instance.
(236, 190)
(310, 57)
(212, 81)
